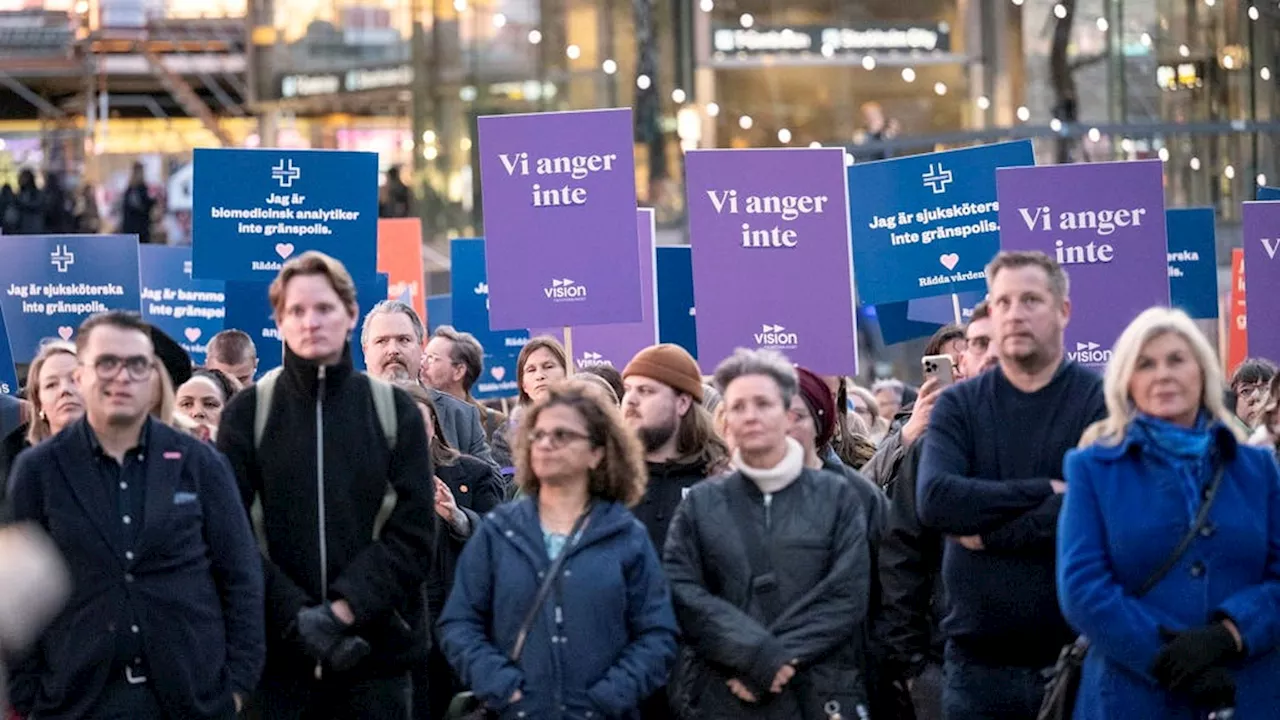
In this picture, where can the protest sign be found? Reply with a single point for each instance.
(927, 224)
(500, 377)
(616, 344)
(1193, 261)
(771, 256)
(559, 191)
(400, 257)
(53, 282)
(469, 283)
(189, 311)
(254, 209)
(1238, 331)
(8, 373)
(1268, 193)
(439, 311)
(941, 309)
(249, 309)
(895, 324)
(1104, 223)
(1262, 276)
(677, 321)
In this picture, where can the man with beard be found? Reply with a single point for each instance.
(662, 402)
(393, 339)
(991, 480)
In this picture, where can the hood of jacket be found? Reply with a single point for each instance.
(519, 524)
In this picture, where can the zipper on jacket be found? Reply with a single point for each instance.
(768, 516)
(320, 504)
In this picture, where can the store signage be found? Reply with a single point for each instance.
(358, 80)
(832, 41)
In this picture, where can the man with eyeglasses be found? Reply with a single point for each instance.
(166, 616)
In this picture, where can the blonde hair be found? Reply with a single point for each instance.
(38, 429)
(1149, 325)
(164, 404)
(313, 262)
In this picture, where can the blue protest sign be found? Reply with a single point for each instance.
(469, 282)
(189, 311)
(1193, 261)
(254, 209)
(927, 224)
(53, 282)
(8, 373)
(499, 377)
(940, 309)
(1268, 193)
(895, 324)
(439, 311)
(677, 323)
(249, 309)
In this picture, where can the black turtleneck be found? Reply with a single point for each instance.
(326, 412)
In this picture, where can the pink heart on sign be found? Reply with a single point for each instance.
(284, 250)
(498, 373)
(193, 334)
(65, 332)
(949, 261)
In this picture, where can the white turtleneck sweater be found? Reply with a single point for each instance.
(774, 479)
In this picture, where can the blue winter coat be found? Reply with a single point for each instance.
(604, 640)
(1123, 515)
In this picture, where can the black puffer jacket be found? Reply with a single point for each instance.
(815, 531)
(328, 411)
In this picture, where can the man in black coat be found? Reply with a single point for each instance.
(165, 619)
(343, 577)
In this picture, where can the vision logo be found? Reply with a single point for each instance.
(776, 336)
(565, 290)
(1090, 353)
(592, 359)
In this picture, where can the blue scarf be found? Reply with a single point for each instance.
(1188, 451)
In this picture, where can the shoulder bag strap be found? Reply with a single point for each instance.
(764, 582)
(548, 583)
(1202, 517)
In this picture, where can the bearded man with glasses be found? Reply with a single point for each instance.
(166, 615)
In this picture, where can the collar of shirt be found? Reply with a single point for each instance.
(95, 445)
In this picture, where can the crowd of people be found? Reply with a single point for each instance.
(757, 541)
(51, 209)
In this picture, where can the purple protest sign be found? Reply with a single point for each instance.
(559, 193)
(616, 344)
(1262, 277)
(772, 264)
(1105, 224)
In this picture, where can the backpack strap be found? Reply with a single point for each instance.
(384, 404)
(264, 390)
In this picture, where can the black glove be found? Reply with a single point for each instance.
(328, 639)
(1214, 690)
(1188, 654)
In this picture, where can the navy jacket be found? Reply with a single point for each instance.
(195, 583)
(1123, 515)
(605, 638)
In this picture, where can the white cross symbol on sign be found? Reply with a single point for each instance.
(286, 175)
(61, 258)
(937, 178)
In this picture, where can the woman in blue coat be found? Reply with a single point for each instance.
(1204, 637)
(605, 638)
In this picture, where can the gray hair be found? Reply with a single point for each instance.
(389, 307)
(770, 363)
(892, 385)
(466, 350)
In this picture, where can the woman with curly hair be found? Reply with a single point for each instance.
(605, 636)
